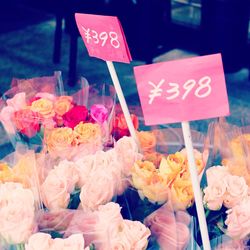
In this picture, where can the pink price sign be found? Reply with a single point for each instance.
(104, 37)
(182, 90)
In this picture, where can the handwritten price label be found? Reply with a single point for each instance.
(183, 90)
(103, 37)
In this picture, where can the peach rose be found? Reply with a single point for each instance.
(62, 105)
(59, 141)
(39, 241)
(214, 195)
(44, 107)
(88, 133)
(17, 213)
(237, 190)
(238, 220)
(147, 141)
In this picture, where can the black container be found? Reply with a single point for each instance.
(225, 30)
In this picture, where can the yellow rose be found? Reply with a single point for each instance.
(25, 171)
(141, 173)
(88, 132)
(147, 141)
(237, 163)
(6, 173)
(63, 104)
(156, 189)
(172, 166)
(181, 194)
(185, 174)
(44, 107)
(59, 139)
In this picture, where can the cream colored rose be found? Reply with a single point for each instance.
(43, 107)
(63, 104)
(216, 173)
(73, 242)
(39, 241)
(237, 190)
(17, 213)
(127, 153)
(214, 195)
(54, 190)
(238, 220)
(88, 133)
(101, 185)
(136, 233)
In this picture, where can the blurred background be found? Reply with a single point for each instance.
(39, 37)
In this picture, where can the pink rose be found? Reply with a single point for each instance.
(214, 195)
(75, 115)
(27, 122)
(99, 113)
(238, 220)
(6, 119)
(18, 101)
(101, 185)
(237, 190)
(45, 95)
(232, 245)
(216, 174)
(17, 211)
(39, 241)
(127, 153)
(168, 230)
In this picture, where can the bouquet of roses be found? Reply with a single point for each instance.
(19, 198)
(226, 188)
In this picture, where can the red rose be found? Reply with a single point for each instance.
(75, 115)
(27, 122)
(120, 128)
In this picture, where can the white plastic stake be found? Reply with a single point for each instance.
(196, 185)
(122, 101)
